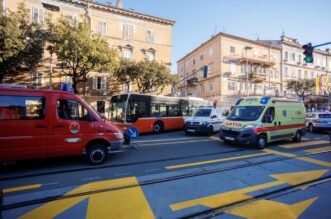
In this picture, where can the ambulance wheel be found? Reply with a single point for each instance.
(311, 128)
(297, 137)
(96, 154)
(158, 127)
(261, 142)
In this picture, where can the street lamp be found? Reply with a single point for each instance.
(246, 48)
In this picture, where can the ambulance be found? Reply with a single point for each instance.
(260, 120)
(49, 123)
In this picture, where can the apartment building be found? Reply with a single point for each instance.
(236, 67)
(294, 67)
(134, 35)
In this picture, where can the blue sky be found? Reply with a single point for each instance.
(196, 21)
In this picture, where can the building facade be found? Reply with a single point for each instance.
(134, 35)
(236, 67)
(294, 67)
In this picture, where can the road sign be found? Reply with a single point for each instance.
(132, 132)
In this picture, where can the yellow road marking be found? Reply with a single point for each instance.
(213, 161)
(178, 142)
(21, 188)
(307, 159)
(317, 150)
(121, 203)
(304, 144)
(262, 209)
(219, 200)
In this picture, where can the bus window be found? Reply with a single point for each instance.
(136, 110)
(117, 108)
(173, 110)
(163, 110)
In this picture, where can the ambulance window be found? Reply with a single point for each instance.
(71, 110)
(269, 115)
(22, 108)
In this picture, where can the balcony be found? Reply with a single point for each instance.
(252, 59)
(257, 77)
(192, 81)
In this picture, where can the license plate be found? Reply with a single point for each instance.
(190, 130)
(229, 138)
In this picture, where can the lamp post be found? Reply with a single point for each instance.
(246, 49)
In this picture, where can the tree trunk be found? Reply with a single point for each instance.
(74, 86)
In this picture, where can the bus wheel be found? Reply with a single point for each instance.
(158, 127)
(261, 142)
(96, 154)
(297, 137)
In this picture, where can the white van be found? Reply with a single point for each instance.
(204, 120)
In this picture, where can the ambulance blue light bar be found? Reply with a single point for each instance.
(67, 88)
(264, 100)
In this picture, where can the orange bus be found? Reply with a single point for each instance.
(150, 113)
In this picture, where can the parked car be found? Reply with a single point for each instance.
(258, 121)
(316, 121)
(47, 123)
(204, 120)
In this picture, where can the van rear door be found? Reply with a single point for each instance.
(24, 127)
(71, 126)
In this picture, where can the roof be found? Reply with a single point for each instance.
(130, 13)
(221, 34)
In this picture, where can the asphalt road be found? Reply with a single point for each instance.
(172, 175)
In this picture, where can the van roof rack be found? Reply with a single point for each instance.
(13, 86)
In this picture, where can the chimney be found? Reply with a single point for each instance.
(119, 4)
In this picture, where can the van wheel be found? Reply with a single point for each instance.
(261, 142)
(210, 131)
(96, 154)
(311, 128)
(158, 127)
(297, 137)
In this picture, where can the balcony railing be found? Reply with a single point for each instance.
(257, 77)
(192, 81)
(252, 59)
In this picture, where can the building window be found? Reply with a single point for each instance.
(293, 75)
(286, 55)
(211, 51)
(306, 74)
(210, 69)
(193, 61)
(293, 56)
(99, 83)
(201, 57)
(37, 15)
(102, 27)
(127, 31)
(233, 68)
(211, 86)
(232, 85)
(285, 72)
(37, 79)
(150, 36)
(299, 74)
(232, 49)
(150, 56)
(127, 53)
(72, 19)
(300, 59)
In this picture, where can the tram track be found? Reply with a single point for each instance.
(161, 180)
(117, 165)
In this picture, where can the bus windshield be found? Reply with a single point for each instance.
(245, 113)
(117, 108)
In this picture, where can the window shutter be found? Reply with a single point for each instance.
(95, 83)
(41, 16)
(103, 83)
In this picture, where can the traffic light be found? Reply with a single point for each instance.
(308, 53)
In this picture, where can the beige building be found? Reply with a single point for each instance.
(237, 67)
(294, 67)
(134, 35)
